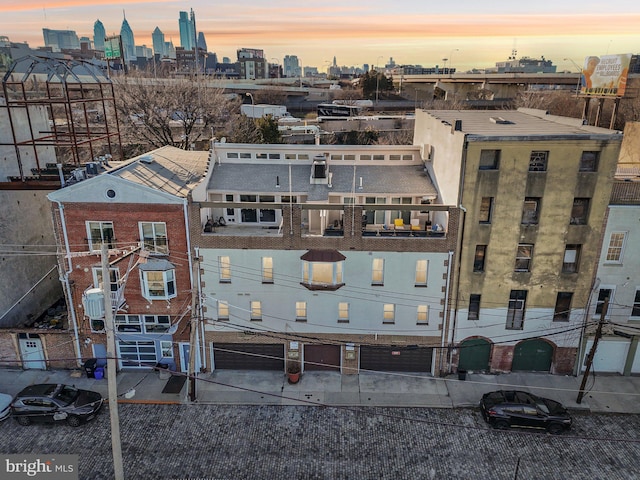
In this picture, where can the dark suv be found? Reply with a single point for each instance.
(50, 402)
(511, 408)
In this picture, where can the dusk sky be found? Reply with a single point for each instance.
(468, 33)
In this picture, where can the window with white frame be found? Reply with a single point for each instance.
(224, 269)
(128, 323)
(635, 310)
(114, 278)
(422, 270)
(322, 269)
(99, 233)
(377, 271)
(515, 312)
(389, 313)
(571, 259)
(343, 312)
(603, 294)
(267, 270)
(223, 310)
(523, 257)
(256, 310)
(616, 247)
(156, 323)
(158, 279)
(166, 348)
(301, 311)
(154, 237)
(422, 315)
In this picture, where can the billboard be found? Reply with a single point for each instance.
(605, 76)
(112, 47)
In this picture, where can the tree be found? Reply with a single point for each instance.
(375, 82)
(268, 128)
(243, 129)
(176, 112)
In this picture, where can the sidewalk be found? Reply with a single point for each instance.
(605, 393)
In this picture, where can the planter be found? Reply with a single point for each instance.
(293, 377)
(462, 374)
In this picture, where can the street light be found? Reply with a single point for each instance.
(253, 105)
(444, 65)
(579, 74)
(451, 59)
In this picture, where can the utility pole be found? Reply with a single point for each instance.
(109, 326)
(193, 338)
(592, 352)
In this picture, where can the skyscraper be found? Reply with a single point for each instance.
(187, 30)
(128, 42)
(98, 35)
(59, 39)
(202, 43)
(158, 43)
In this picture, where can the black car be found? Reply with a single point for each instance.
(50, 402)
(511, 408)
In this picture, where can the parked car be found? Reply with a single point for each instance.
(511, 408)
(50, 402)
(5, 405)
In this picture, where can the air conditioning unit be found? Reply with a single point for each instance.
(91, 168)
(93, 303)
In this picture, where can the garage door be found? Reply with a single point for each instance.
(248, 356)
(474, 355)
(532, 356)
(322, 357)
(396, 359)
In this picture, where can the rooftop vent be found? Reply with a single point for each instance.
(500, 120)
(146, 159)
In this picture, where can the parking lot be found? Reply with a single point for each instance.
(272, 442)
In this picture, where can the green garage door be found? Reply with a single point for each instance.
(474, 355)
(532, 356)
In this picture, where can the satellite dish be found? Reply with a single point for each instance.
(173, 329)
(223, 140)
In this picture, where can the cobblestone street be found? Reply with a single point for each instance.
(271, 442)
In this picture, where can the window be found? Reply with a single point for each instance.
(389, 313)
(166, 348)
(571, 259)
(422, 267)
(538, 161)
(580, 211)
(156, 323)
(523, 257)
(489, 160)
(256, 310)
(223, 310)
(563, 307)
(343, 312)
(154, 237)
(114, 278)
(603, 294)
(99, 233)
(301, 311)
(589, 162)
(158, 280)
(530, 211)
(486, 210)
(128, 323)
(478, 260)
(474, 307)
(224, 269)
(322, 269)
(515, 313)
(97, 325)
(635, 310)
(422, 315)
(377, 271)
(616, 245)
(267, 270)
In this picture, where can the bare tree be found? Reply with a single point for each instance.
(177, 112)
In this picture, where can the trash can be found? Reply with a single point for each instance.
(90, 367)
(99, 373)
(163, 370)
(462, 374)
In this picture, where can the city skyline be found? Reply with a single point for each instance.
(469, 35)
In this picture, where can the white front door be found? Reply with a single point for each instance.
(32, 352)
